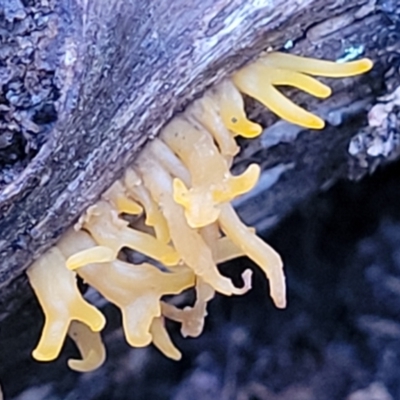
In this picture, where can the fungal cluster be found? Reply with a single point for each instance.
(179, 191)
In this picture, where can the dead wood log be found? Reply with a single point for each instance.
(125, 68)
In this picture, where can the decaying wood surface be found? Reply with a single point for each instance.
(302, 162)
(128, 66)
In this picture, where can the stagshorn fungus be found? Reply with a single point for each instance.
(182, 186)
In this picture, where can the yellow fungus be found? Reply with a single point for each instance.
(211, 181)
(154, 217)
(191, 318)
(314, 66)
(183, 186)
(162, 340)
(135, 289)
(118, 197)
(90, 346)
(188, 242)
(256, 249)
(207, 112)
(109, 231)
(258, 80)
(58, 294)
(231, 108)
(169, 160)
(226, 250)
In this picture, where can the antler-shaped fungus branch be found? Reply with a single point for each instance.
(135, 289)
(256, 249)
(58, 294)
(258, 80)
(154, 216)
(188, 242)
(211, 181)
(112, 234)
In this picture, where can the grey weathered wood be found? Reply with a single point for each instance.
(129, 65)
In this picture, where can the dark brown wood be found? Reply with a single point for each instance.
(127, 67)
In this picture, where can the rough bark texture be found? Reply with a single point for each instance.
(127, 67)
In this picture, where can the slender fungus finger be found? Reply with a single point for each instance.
(257, 250)
(125, 205)
(52, 338)
(149, 246)
(162, 340)
(237, 185)
(117, 196)
(136, 322)
(209, 114)
(90, 346)
(154, 217)
(211, 235)
(254, 82)
(289, 111)
(191, 318)
(96, 254)
(169, 160)
(232, 112)
(61, 302)
(298, 80)
(226, 250)
(314, 66)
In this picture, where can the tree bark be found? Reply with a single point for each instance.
(127, 67)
